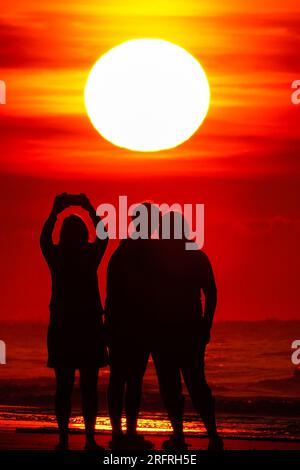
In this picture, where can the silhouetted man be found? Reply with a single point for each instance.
(183, 331)
(128, 315)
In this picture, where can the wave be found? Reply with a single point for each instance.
(287, 385)
(24, 419)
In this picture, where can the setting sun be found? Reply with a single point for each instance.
(147, 95)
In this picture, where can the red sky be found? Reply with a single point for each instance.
(243, 163)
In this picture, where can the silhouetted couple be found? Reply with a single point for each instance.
(153, 306)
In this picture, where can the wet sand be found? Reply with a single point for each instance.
(26, 440)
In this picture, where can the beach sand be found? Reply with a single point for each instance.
(12, 440)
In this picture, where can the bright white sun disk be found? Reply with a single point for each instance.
(147, 95)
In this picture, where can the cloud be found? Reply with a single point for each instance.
(16, 46)
(64, 39)
(44, 41)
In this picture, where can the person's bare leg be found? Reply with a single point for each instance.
(65, 378)
(133, 396)
(134, 385)
(169, 378)
(89, 398)
(115, 399)
(193, 372)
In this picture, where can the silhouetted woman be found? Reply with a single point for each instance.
(75, 333)
(182, 330)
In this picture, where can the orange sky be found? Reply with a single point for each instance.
(243, 163)
(250, 53)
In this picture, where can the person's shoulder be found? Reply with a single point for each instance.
(125, 246)
(201, 258)
(202, 255)
(120, 252)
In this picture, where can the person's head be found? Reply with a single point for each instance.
(74, 232)
(147, 214)
(174, 226)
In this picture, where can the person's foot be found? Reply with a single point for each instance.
(137, 441)
(62, 445)
(215, 444)
(118, 442)
(175, 443)
(92, 446)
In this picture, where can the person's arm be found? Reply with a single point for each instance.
(46, 242)
(99, 245)
(210, 294)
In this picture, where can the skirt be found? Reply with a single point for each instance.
(76, 341)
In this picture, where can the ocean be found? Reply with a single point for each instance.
(248, 365)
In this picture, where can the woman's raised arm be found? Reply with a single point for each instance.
(46, 242)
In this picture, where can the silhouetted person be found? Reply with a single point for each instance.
(183, 330)
(127, 311)
(75, 333)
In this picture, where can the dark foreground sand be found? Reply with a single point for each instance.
(12, 440)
